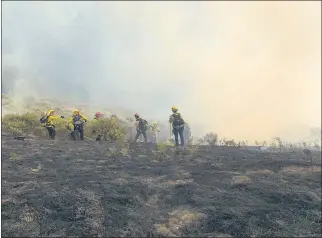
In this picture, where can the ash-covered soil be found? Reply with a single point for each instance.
(66, 188)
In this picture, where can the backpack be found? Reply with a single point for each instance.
(77, 118)
(177, 119)
(143, 124)
(44, 119)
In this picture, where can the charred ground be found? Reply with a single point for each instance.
(66, 188)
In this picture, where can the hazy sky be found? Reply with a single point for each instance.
(247, 70)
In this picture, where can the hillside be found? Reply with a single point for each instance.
(84, 188)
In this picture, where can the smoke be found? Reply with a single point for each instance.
(246, 70)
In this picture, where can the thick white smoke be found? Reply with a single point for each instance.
(247, 70)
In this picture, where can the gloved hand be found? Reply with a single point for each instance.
(62, 117)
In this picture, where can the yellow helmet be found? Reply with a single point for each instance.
(174, 108)
(76, 111)
(154, 123)
(51, 111)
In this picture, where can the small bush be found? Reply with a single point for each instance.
(162, 150)
(19, 125)
(61, 126)
(164, 146)
(109, 129)
(194, 145)
(211, 138)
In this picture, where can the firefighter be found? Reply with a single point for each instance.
(154, 129)
(49, 121)
(141, 127)
(177, 125)
(98, 116)
(77, 120)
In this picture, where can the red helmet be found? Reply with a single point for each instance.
(136, 115)
(98, 114)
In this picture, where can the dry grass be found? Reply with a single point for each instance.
(261, 171)
(299, 169)
(178, 219)
(240, 180)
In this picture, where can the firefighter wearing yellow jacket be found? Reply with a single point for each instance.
(49, 122)
(154, 131)
(77, 121)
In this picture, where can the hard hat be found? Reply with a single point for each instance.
(76, 111)
(51, 111)
(98, 114)
(136, 115)
(154, 123)
(174, 108)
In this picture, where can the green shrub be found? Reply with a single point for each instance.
(162, 146)
(109, 129)
(19, 125)
(61, 126)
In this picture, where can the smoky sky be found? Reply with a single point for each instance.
(242, 69)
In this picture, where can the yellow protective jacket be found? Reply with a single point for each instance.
(51, 120)
(96, 120)
(154, 128)
(95, 125)
(69, 124)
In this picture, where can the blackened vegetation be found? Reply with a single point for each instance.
(85, 188)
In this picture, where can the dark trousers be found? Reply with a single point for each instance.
(178, 132)
(51, 131)
(80, 129)
(138, 133)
